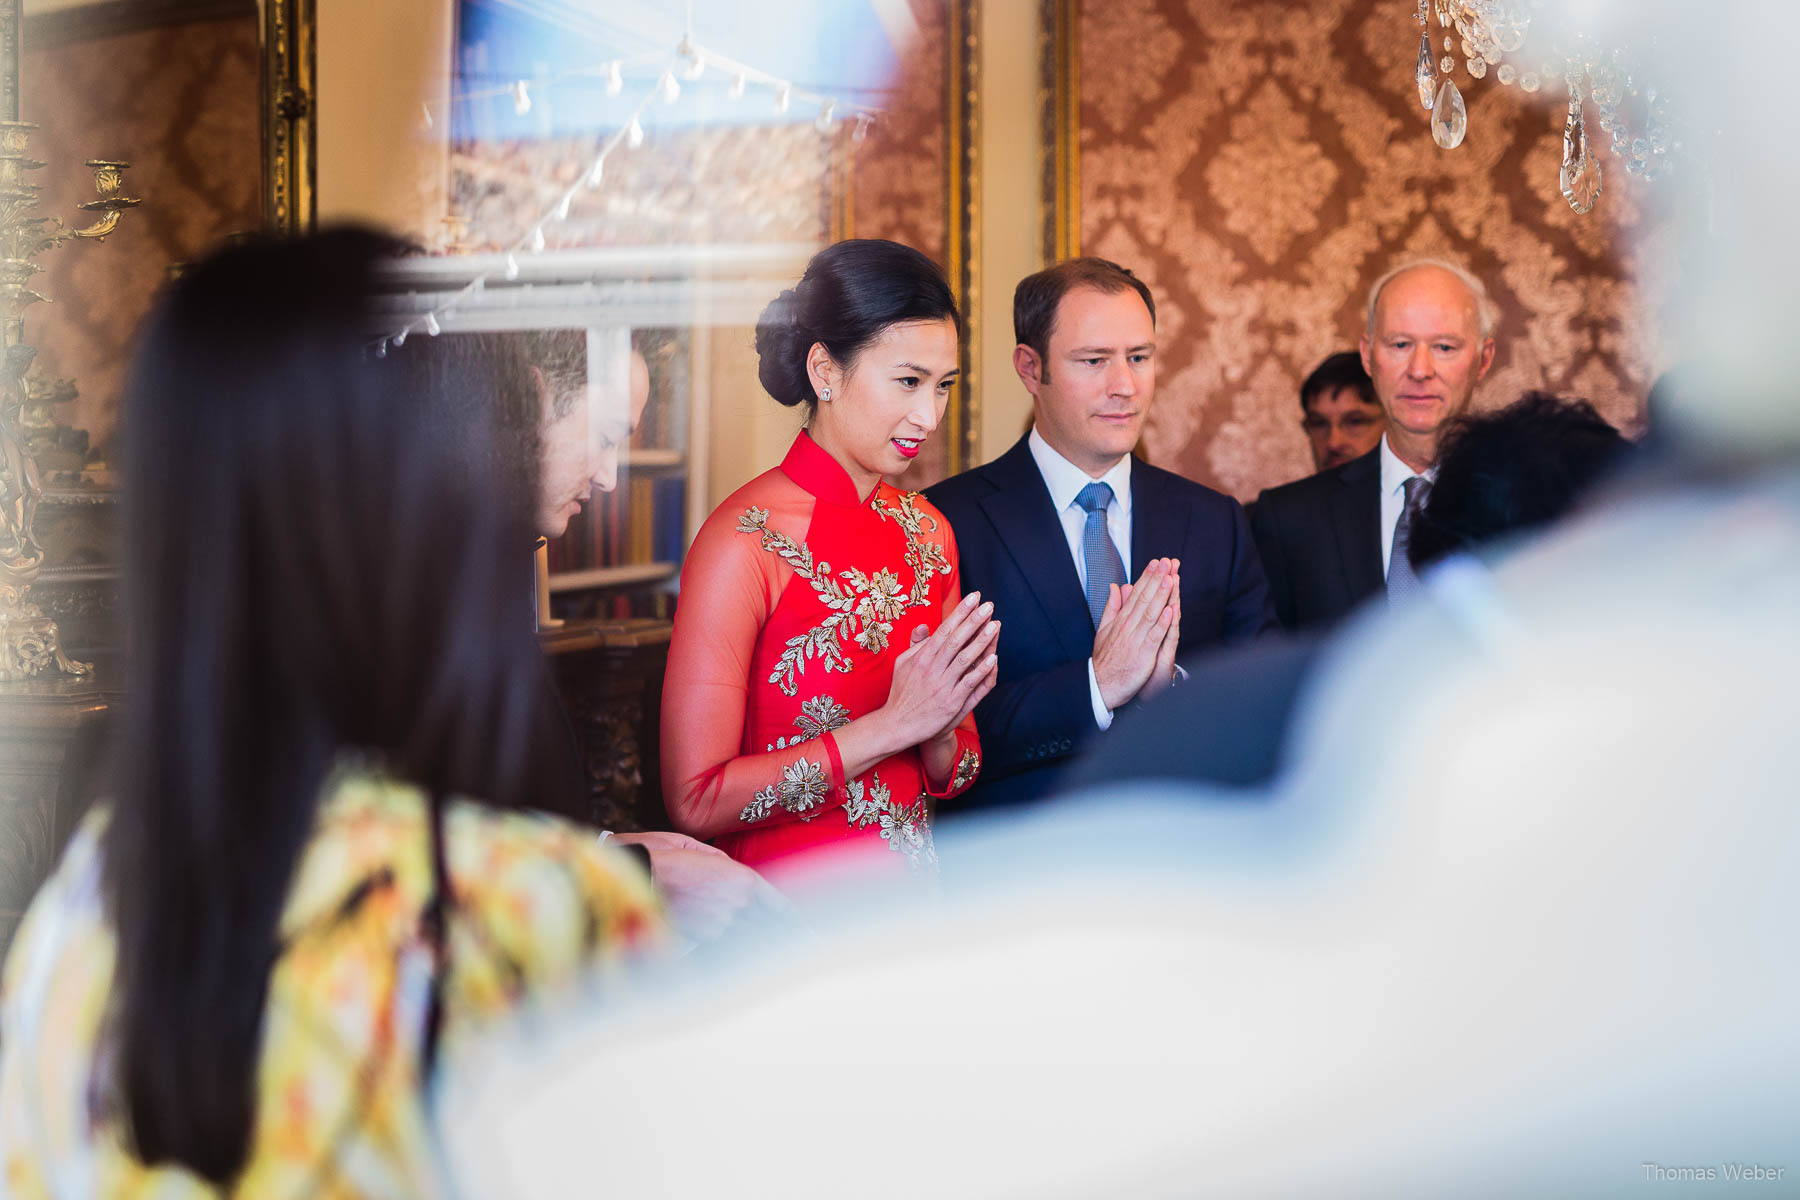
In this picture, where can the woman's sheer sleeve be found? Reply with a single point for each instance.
(709, 785)
(968, 741)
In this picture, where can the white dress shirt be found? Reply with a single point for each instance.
(1065, 481)
(1394, 475)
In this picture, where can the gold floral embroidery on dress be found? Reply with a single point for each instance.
(967, 767)
(819, 715)
(869, 604)
(801, 789)
(906, 828)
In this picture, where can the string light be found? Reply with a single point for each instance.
(691, 60)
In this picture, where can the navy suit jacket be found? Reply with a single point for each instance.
(1012, 549)
(1320, 542)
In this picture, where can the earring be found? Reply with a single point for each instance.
(825, 395)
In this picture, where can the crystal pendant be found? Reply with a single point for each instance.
(1580, 168)
(1426, 74)
(1507, 74)
(1477, 68)
(1449, 119)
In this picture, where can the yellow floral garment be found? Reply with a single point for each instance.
(339, 1111)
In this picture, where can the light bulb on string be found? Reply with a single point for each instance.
(615, 79)
(783, 92)
(537, 239)
(425, 116)
(562, 206)
(400, 338)
(822, 122)
(478, 289)
(381, 348)
(512, 266)
(861, 131)
(671, 91)
(692, 65)
(521, 97)
(431, 324)
(736, 91)
(597, 172)
(634, 134)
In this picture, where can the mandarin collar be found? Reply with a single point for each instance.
(812, 467)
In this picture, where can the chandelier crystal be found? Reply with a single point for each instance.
(1630, 111)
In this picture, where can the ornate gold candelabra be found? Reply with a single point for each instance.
(29, 642)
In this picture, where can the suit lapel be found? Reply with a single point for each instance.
(1357, 524)
(1030, 530)
(1158, 528)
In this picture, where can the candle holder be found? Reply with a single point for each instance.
(30, 644)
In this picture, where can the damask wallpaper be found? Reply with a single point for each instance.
(1261, 162)
(178, 102)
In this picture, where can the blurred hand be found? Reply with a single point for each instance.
(705, 889)
(1136, 621)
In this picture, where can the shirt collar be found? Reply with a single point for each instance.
(1395, 473)
(812, 467)
(1065, 480)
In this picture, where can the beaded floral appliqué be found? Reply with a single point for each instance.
(801, 789)
(906, 828)
(863, 607)
(967, 767)
(819, 715)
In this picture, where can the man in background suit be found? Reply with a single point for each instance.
(1050, 531)
(1330, 541)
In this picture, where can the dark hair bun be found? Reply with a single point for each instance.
(781, 348)
(850, 294)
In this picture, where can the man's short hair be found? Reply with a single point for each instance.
(561, 354)
(1512, 470)
(1038, 296)
(1487, 314)
(1342, 370)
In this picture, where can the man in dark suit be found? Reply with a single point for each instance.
(1330, 541)
(1051, 529)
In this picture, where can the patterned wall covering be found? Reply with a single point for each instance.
(899, 181)
(179, 103)
(1262, 162)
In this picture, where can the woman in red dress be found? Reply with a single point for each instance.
(825, 664)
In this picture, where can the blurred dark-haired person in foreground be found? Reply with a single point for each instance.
(825, 665)
(1341, 417)
(1512, 472)
(1500, 477)
(313, 872)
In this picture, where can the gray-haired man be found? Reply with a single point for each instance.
(1328, 542)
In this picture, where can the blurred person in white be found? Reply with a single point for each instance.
(1523, 928)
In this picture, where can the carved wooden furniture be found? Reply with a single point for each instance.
(610, 677)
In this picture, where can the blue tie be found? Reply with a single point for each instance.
(1401, 581)
(1097, 549)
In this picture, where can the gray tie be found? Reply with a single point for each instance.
(1097, 549)
(1401, 581)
